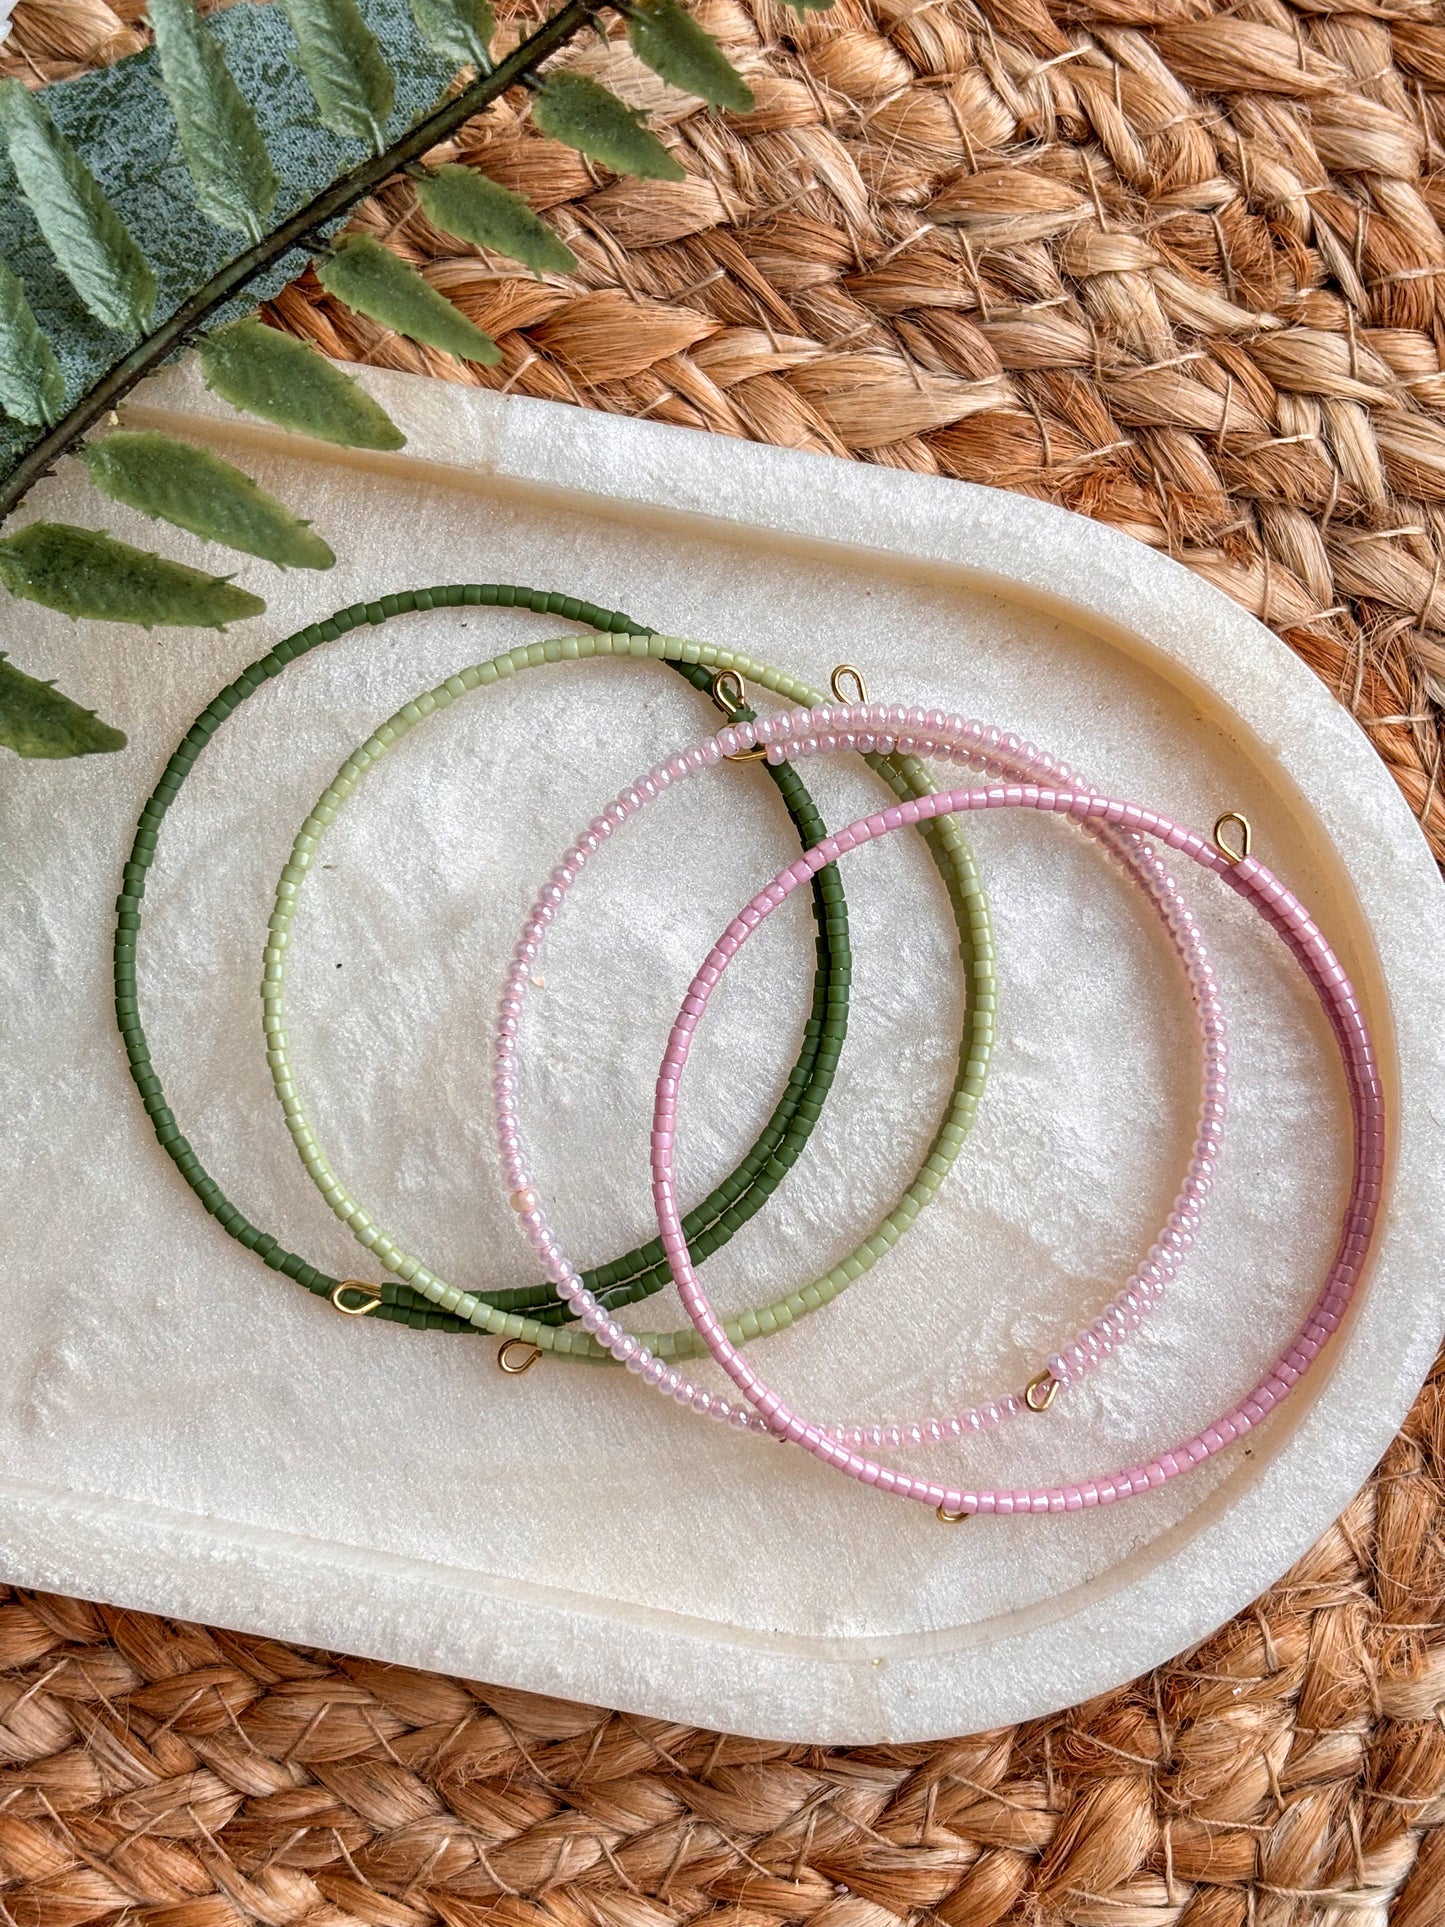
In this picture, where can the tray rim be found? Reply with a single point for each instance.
(836, 1690)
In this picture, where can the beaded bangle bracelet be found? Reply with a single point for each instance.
(969, 907)
(997, 756)
(829, 729)
(640, 1272)
(735, 1200)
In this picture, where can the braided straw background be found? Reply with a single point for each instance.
(1173, 264)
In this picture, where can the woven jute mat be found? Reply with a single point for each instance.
(1173, 264)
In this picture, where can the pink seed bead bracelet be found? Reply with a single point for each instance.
(994, 754)
(832, 728)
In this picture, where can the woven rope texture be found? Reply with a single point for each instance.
(1175, 265)
(1289, 1771)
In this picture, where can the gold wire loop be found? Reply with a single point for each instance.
(1246, 836)
(369, 1299)
(1041, 1391)
(952, 1518)
(729, 692)
(508, 1361)
(835, 683)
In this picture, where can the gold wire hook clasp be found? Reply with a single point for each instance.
(952, 1518)
(728, 691)
(835, 683)
(1246, 836)
(1041, 1391)
(730, 694)
(369, 1299)
(510, 1363)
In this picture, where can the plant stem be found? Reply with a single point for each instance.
(296, 231)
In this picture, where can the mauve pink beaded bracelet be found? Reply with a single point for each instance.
(994, 754)
(875, 726)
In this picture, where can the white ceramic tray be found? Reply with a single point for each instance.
(183, 1431)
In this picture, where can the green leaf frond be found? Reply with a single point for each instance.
(460, 201)
(225, 156)
(666, 38)
(190, 487)
(373, 281)
(284, 381)
(90, 242)
(81, 572)
(581, 113)
(344, 67)
(458, 30)
(39, 720)
(32, 388)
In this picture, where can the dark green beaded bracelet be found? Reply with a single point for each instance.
(639, 1272)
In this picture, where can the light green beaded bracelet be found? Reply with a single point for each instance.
(905, 776)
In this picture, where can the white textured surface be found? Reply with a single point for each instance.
(181, 1429)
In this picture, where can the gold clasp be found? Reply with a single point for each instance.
(835, 683)
(952, 1518)
(1041, 1391)
(1246, 836)
(507, 1361)
(729, 692)
(369, 1299)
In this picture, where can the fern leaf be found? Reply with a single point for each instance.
(344, 67)
(458, 30)
(221, 144)
(370, 278)
(89, 240)
(460, 201)
(32, 388)
(82, 573)
(582, 114)
(283, 381)
(196, 490)
(666, 38)
(36, 719)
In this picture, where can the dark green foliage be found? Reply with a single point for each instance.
(282, 380)
(37, 720)
(83, 231)
(458, 30)
(82, 573)
(343, 67)
(460, 201)
(221, 144)
(196, 490)
(581, 114)
(670, 41)
(371, 279)
(32, 388)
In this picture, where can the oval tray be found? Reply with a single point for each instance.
(183, 1431)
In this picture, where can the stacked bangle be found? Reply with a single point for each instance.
(826, 730)
(892, 740)
(953, 858)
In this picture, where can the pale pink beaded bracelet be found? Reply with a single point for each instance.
(996, 755)
(873, 726)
